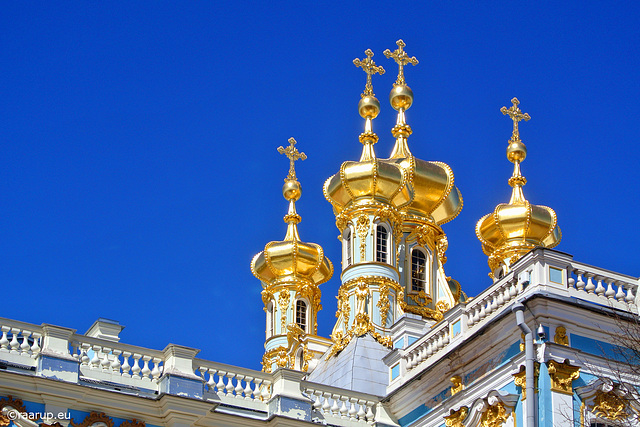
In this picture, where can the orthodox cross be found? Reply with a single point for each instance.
(516, 115)
(401, 57)
(294, 155)
(370, 68)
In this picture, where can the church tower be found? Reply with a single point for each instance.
(514, 228)
(291, 272)
(389, 213)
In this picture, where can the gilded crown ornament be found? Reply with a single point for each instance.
(514, 228)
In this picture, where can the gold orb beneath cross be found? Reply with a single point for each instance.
(292, 190)
(516, 151)
(369, 107)
(401, 97)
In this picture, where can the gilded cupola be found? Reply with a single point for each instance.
(514, 228)
(368, 180)
(291, 258)
(435, 197)
(291, 272)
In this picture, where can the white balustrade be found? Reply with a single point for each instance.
(232, 381)
(330, 403)
(101, 359)
(603, 285)
(20, 339)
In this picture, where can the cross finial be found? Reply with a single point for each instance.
(370, 68)
(401, 57)
(516, 115)
(294, 155)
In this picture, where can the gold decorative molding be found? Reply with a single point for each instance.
(455, 418)
(276, 355)
(283, 303)
(93, 418)
(362, 228)
(133, 423)
(494, 416)
(456, 384)
(442, 306)
(522, 341)
(562, 375)
(422, 299)
(11, 402)
(520, 379)
(560, 336)
(383, 304)
(608, 405)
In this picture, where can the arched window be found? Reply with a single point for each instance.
(418, 270)
(301, 314)
(382, 243)
(270, 321)
(348, 251)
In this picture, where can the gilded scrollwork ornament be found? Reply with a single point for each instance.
(362, 228)
(494, 415)
(283, 302)
(610, 406)
(10, 402)
(456, 384)
(455, 418)
(94, 418)
(383, 304)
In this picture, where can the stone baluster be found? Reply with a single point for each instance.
(335, 409)
(95, 360)
(230, 386)
(211, 384)
(266, 390)
(105, 363)
(610, 293)
(257, 384)
(600, 289)
(25, 347)
(220, 384)
(157, 369)
(84, 355)
(115, 363)
(247, 389)
(344, 411)
(513, 289)
(326, 406)
(125, 364)
(353, 412)
(630, 297)
(4, 341)
(145, 369)
(35, 348)
(239, 389)
(620, 293)
(135, 370)
(482, 313)
(369, 415)
(580, 283)
(15, 345)
(590, 287)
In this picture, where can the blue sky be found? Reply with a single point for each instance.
(139, 171)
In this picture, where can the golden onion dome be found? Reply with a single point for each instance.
(514, 228)
(369, 178)
(435, 197)
(291, 259)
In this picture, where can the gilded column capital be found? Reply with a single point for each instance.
(562, 376)
(520, 379)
